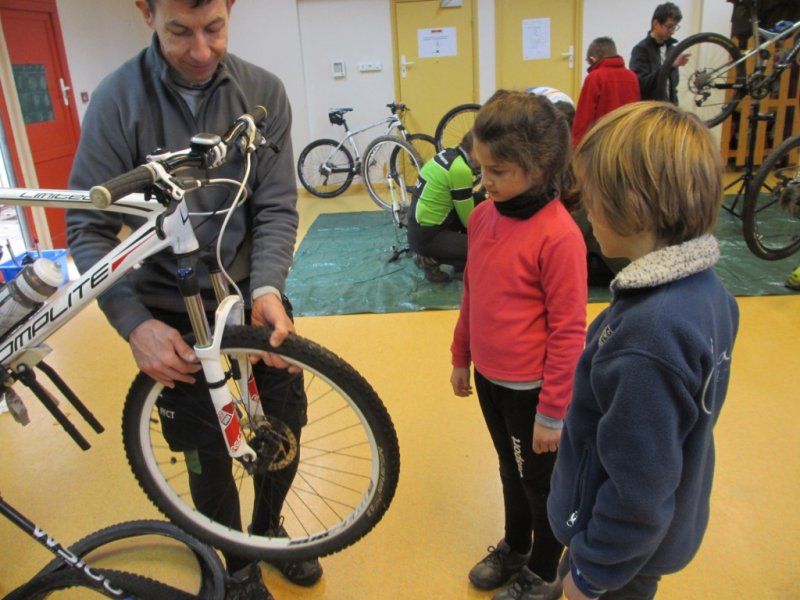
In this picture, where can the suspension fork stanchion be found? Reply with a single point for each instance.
(241, 370)
(207, 348)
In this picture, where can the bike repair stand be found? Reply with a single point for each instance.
(398, 251)
(745, 178)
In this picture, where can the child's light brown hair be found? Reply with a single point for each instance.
(649, 166)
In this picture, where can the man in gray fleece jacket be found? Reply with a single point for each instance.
(186, 83)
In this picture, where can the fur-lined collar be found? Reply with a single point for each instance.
(668, 264)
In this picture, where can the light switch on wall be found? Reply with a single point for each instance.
(338, 69)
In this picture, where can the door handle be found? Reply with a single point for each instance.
(571, 54)
(64, 90)
(403, 64)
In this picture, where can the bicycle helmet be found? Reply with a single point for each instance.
(551, 94)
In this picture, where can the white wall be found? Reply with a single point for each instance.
(486, 56)
(298, 40)
(99, 35)
(267, 33)
(352, 31)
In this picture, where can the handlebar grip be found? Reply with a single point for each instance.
(259, 113)
(112, 190)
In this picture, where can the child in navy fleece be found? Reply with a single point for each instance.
(630, 489)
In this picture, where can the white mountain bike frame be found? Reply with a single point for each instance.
(166, 226)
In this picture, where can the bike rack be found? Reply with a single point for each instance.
(746, 177)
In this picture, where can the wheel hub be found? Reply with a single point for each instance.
(275, 445)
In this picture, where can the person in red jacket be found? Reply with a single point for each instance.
(608, 85)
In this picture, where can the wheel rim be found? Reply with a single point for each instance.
(456, 128)
(325, 173)
(391, 172)
(338, 474)
(775, 215)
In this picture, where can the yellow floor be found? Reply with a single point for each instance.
(448, 508)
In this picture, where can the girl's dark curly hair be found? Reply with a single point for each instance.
(528, 130)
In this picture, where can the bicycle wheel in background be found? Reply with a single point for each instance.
(455, 123)
(424, 144)
(391, 170)
(711, 83)
(325, 169)
(348, 453)
(771, 213)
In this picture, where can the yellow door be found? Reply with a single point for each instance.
(434, 60)
(537, 44)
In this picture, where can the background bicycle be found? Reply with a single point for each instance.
(348, 455)
(718, 76)
(327, 167)
(454, 124)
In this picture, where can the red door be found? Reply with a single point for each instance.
(39, 66)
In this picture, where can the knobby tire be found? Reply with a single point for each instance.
(348, 456)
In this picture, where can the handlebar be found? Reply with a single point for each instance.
(207, 151)
(397, 107)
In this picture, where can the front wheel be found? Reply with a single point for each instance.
(771, 213)
(325, 168)
(320, 481)
(712, 82)
(455, 124)
(391, 171)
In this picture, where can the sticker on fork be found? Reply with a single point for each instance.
(230, 425)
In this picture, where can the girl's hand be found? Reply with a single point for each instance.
(545, 439)
(460, 382)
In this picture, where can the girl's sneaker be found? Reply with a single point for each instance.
(529, 586)
(498, 567)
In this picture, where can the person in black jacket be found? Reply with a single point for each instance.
(648, 55)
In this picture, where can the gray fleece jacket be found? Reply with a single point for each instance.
(137, 109)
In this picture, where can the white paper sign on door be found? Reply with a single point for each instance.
(535, 39)
(440, 41)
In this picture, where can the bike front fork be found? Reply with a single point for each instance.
(208, 345)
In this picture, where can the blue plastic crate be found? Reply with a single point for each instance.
(11, 268)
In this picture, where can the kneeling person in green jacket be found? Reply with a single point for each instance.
(443, 201)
